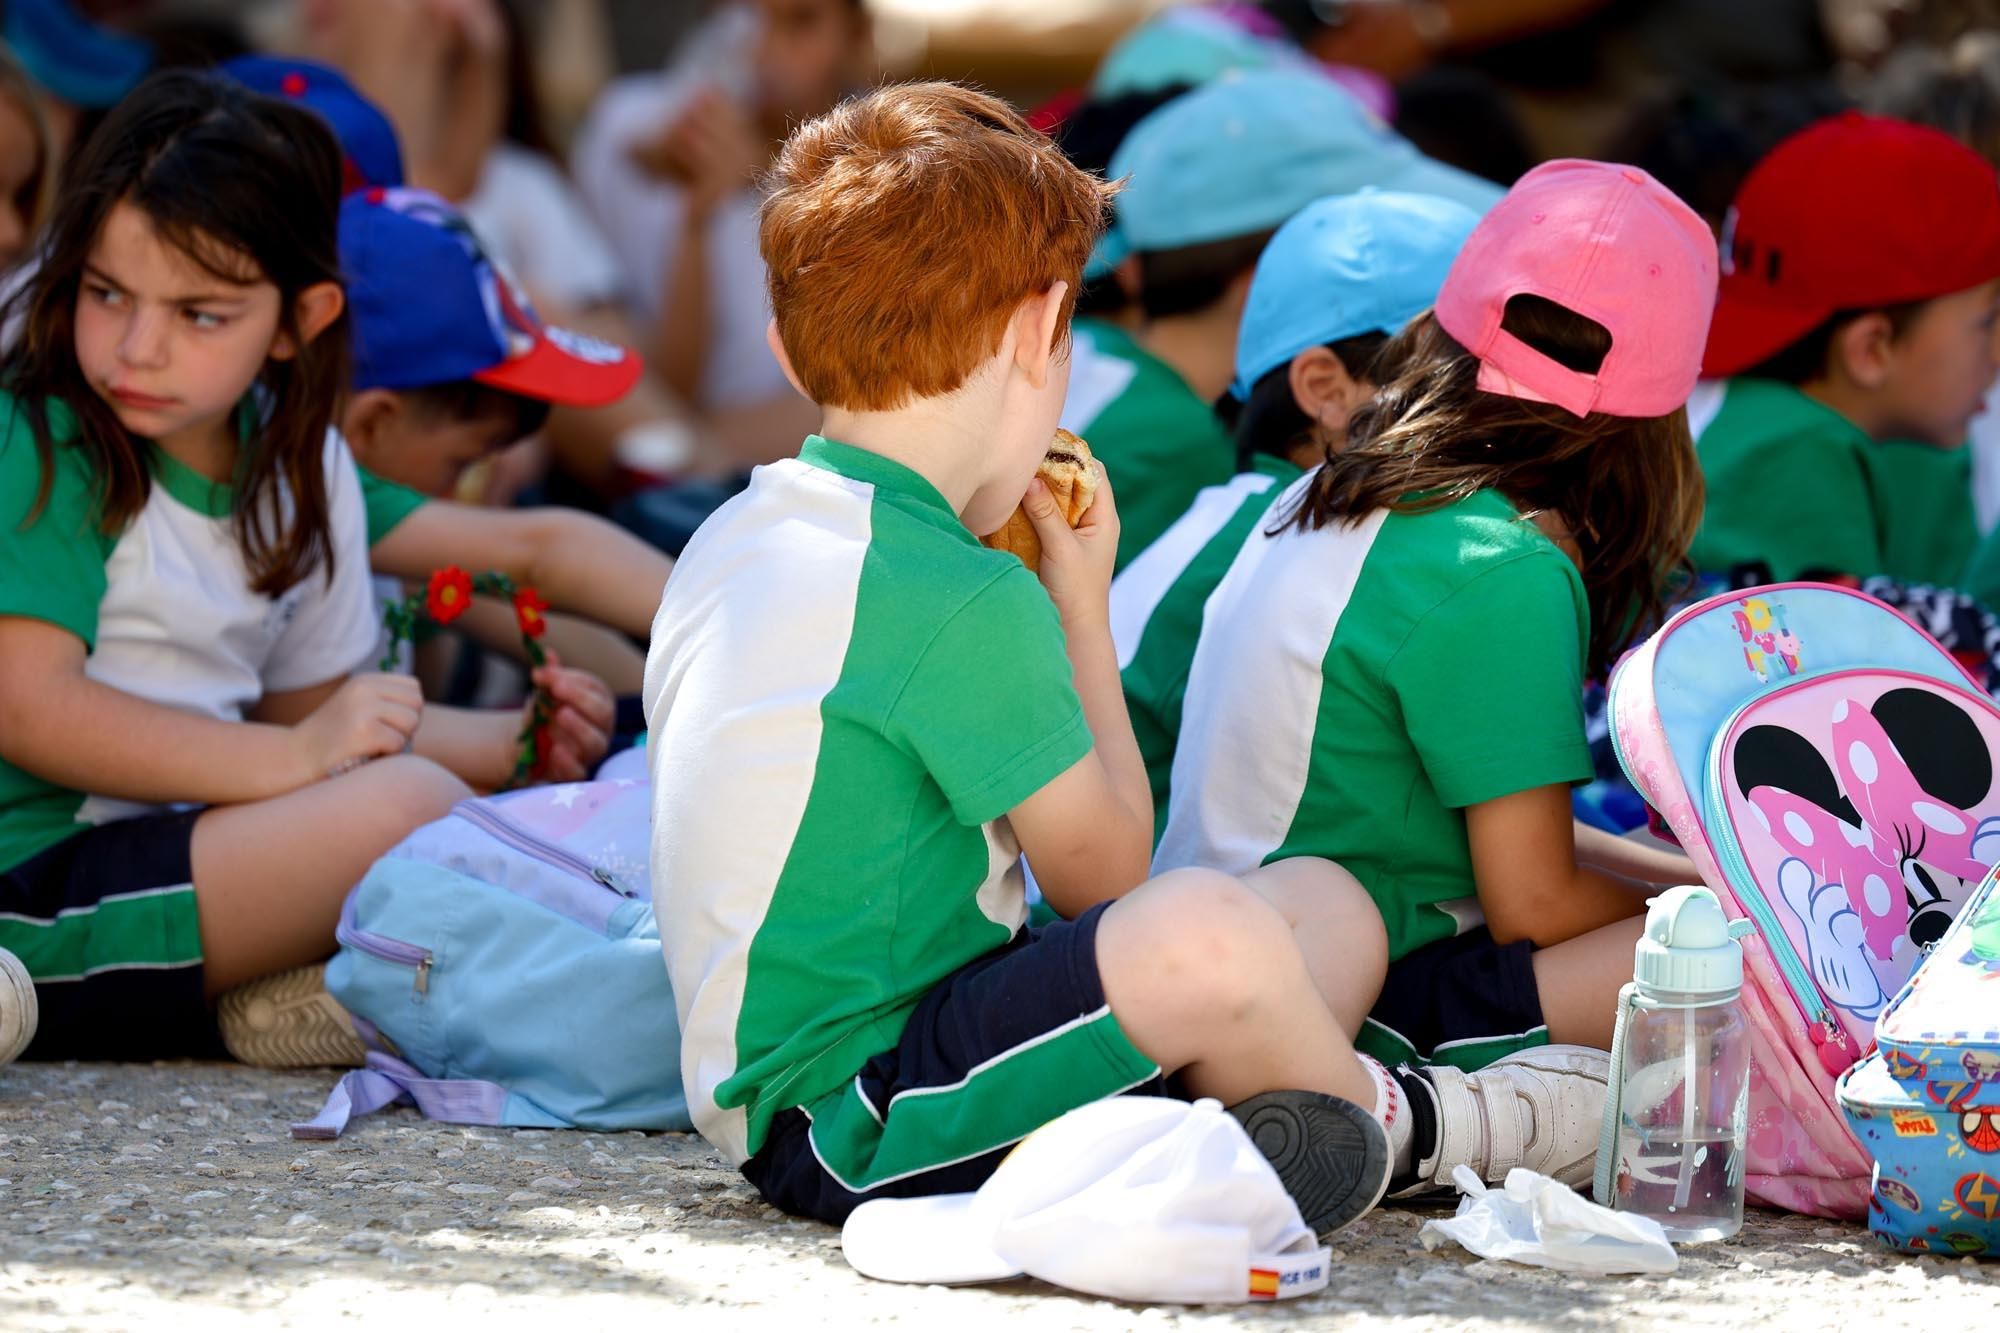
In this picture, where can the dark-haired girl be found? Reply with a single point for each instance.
(1389, 674)
(184, 599)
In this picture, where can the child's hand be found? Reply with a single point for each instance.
(368, 716)
(1077, 564)
(580, 724)
(711, 150)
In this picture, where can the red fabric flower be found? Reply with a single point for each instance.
(528, 608)
(450, 593)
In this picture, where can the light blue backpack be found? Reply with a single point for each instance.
(505, 964)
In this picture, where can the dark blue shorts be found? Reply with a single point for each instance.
(106, 923)
(1465, 1001)
(997, 1049)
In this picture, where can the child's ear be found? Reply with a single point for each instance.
(1323, 389)
(368, 424)
(1037, 321)
(1126, 275)
(1236, 296)
(777, 345)
(1864, 350)
(316, 308)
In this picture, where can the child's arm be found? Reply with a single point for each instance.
(66, 728)
(580, 563)
(584, 644)
(1641, 860)
(1089, 833)
(1524, 864)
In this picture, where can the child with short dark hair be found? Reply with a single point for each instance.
(450, 376)
(1957, 89)
(1335, 283)
(1847, 318)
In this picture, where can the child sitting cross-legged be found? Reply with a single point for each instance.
(184, 607)
(1389, 673)
(862, 717)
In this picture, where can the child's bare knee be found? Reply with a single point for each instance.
(1216, 933)
(415, 789)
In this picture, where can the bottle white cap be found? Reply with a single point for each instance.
(1689, 945)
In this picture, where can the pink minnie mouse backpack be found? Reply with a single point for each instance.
(1831, 772)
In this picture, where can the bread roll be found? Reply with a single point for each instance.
(1070, 475)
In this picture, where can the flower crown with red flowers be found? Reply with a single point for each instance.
(446, 599)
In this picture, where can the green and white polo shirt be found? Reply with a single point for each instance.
(1159, 443)
(1356, 687)
(166, 612)
(1794, 484)
(847, 693)
(1158, 601)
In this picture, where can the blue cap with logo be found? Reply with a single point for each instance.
(1240, 155)
(429, 306)
(1353, 264)
(367, 139)
(75, 60)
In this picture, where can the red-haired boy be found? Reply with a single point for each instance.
(861, 717)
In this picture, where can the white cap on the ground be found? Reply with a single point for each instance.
(1134, 1198)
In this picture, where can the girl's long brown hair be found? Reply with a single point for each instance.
(1628, 490)
(249, 188)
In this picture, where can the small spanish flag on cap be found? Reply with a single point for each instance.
(1263, 1284)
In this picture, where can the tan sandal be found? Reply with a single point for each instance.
(288, 1021)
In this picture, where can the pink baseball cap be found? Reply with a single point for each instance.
(1610, 243)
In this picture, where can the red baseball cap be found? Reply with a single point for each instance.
(1853, 212)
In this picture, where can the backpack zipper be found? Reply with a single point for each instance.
(388, 950)
(476, 812)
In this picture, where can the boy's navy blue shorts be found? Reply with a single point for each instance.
(997, 1049)
(106, 923)
(1465, 1001)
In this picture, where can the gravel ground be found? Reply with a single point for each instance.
(145, 1197)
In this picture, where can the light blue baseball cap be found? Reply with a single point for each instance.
(1186, 45)
(1242, 154)
(1353, 264)
(73, 59)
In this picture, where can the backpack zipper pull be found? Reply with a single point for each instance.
(609, 881)
(422, 985)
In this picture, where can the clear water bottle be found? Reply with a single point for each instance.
(1678, 1110)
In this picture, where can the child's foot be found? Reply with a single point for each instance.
(288, 1021)
(1541, 1108)
(1331, 1156)
(19, 1011)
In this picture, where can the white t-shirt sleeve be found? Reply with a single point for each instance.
(528, 211)
(333, 630)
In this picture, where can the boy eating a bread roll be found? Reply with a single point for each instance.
(862, 717)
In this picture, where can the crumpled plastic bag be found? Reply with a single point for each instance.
(1539, 1221)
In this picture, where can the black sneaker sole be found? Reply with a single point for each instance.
(1331, 1156)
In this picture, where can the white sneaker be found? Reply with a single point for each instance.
(19, 1011)
(1541, 1108)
